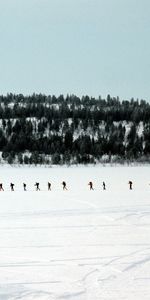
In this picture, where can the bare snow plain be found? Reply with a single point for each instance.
(76, 244)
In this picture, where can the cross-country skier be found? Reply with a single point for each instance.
(104, 186)
(91, 185)
(130, 184)
(1, 187)
(24, 186)
(64, 185)
(49, 186)
(37, 186)
(12, 186)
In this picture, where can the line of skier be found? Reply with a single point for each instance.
(91, 185)
(37, 186)
(104, 185)
(64, 185)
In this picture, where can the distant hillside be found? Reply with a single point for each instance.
(41, 129)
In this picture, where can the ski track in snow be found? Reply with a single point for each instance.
(79, 244)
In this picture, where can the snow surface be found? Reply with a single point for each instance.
(76, 244)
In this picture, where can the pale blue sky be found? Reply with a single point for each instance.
(94, 47)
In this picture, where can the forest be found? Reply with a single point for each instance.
(40, 129)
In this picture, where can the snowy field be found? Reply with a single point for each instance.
(76, 244)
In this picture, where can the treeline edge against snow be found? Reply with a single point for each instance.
(40, 129)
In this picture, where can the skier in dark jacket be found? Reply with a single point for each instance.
(24, 186)
(1, 187)
(12, 186)
(104, 186)
(37, 186)
(64, 185)
(49, 186)
(91, 185)
(130, 184)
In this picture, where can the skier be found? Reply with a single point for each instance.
(24, 186)
(130, 184)
(91, 185)
(1, 187)
(37, 186)
(12, 186)
(64, 185)
(104, 186)
(49, 186)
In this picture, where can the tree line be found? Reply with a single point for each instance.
(41, 129)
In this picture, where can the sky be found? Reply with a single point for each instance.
(81, 47)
